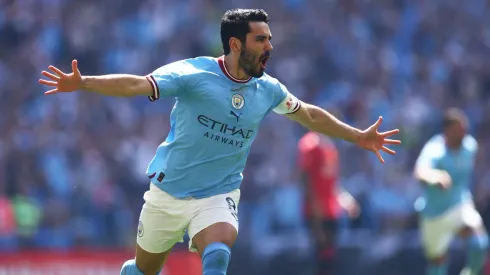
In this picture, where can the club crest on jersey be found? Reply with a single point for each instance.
(237, 101)
(141, 230)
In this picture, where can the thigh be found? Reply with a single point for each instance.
(216, 221)
(470, 221)
(158, 231)
(436, 237)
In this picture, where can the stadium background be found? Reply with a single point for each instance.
(72, 165)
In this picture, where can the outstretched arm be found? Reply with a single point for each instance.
(123, 85)
(321, 121)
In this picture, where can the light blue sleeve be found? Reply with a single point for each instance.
(429, 155)
(168, 80)
(471, 144)
(284, 102)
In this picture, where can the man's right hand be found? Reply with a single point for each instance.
(62, 82)
(444, 180)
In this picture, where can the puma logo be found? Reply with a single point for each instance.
(237, 116)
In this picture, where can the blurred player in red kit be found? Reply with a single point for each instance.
(324, 201)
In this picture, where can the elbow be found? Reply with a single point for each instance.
(140, 87)
(421, 174)
(417, 173)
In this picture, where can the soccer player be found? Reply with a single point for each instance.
(196, 172)
(324, 199)
(445, 166)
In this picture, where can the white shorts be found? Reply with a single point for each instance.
(439, 232)
(164, 219)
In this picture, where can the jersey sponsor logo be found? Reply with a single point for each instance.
(237, 101)
(224, 132)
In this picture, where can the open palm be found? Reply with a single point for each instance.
(62, 82)
(375, 141)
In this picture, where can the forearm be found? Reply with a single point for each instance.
(429, 176)
(325, 123)
(121, 85)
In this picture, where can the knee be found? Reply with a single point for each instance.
(216, 257)
(130, 268)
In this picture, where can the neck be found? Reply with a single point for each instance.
(233, 68)
(452, 145)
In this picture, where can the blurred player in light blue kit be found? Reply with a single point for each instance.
(446, 166)
(197, 171)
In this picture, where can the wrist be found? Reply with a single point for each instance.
(356, 135)
(84, 83)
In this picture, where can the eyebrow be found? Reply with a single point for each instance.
(263, 36)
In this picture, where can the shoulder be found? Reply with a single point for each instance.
(276, 89)
(437, 140)
(190, 66)
(268, 81)
(470, 143)
(435, 145)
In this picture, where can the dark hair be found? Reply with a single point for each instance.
(235, 24)
(452, 116)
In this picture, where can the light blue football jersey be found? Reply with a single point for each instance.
(213, 123)
(459, 164)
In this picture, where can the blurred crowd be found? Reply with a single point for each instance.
(72, 166)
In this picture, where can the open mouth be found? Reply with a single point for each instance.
(264, 60)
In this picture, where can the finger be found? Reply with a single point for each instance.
(49, 83)
(74, 66)
(50, 92)
(392, 141)
(378, 123)
(379, 156)
(50, 75)
(390, 133)
(56, 70)
(388, 150)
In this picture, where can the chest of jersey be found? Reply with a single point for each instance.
(459, 164)
(227, 113)
(240, 105)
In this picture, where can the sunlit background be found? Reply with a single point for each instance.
(72, 166)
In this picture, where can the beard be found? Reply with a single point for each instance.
(251, 64)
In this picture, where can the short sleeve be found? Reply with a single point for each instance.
(284, 101)
(167, 81)
(428, 156)
(470, 143)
